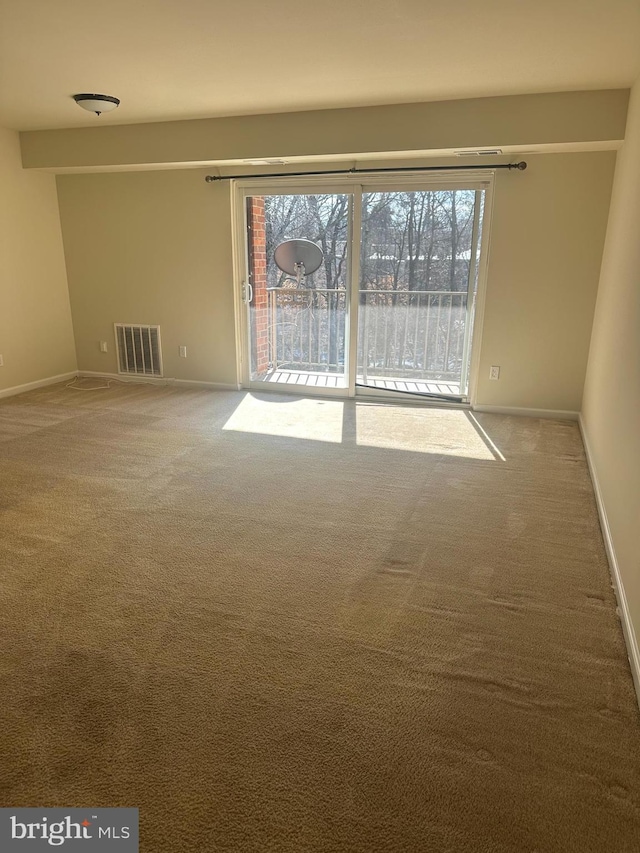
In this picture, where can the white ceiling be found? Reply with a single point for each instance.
(179, 59)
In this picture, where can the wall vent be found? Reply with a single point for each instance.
(478, 152)
(138, 349)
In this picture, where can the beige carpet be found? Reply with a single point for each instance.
(281, 625)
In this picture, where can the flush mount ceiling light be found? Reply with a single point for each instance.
(96, 103)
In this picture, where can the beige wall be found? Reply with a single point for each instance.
(611, 411)
(547, 235)
(36, 339)
(558, 118)
(151, 247)
(166, 258)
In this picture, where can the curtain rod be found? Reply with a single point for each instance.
(519, 166)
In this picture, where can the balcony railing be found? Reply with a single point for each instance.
(413, 333)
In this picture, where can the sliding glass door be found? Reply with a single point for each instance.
(297, 294)
(363, 289)
(418, 279)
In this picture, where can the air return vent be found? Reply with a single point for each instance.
(139, 349)
(478, 152)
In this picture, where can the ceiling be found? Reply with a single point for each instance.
(180, 59)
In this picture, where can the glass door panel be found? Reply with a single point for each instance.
(297, 320)
(419, 255)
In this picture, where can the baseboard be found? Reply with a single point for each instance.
(156, 380)
(147, 380)
(633, 652)
(556, 414)
(39, 383)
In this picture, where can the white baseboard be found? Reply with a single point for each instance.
(39, 383)
(147, 380)
(156, 380)
(633, 652)
(557, 414)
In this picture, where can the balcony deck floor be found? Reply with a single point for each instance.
(335, 380)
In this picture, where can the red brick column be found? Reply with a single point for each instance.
(257, 245)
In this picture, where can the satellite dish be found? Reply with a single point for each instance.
(298, 257)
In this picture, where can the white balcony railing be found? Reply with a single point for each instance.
(402, 333)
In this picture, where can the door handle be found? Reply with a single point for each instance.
(248, 292)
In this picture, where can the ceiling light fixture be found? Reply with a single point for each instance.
(96, 103)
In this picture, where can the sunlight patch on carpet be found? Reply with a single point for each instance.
(289, 417)
(438, 431)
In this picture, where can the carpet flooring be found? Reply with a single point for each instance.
(288, 625)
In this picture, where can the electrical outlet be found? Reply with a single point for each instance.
(103, 346)
(494, 371)
(183, 352)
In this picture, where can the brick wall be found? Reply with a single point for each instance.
(257, 245)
